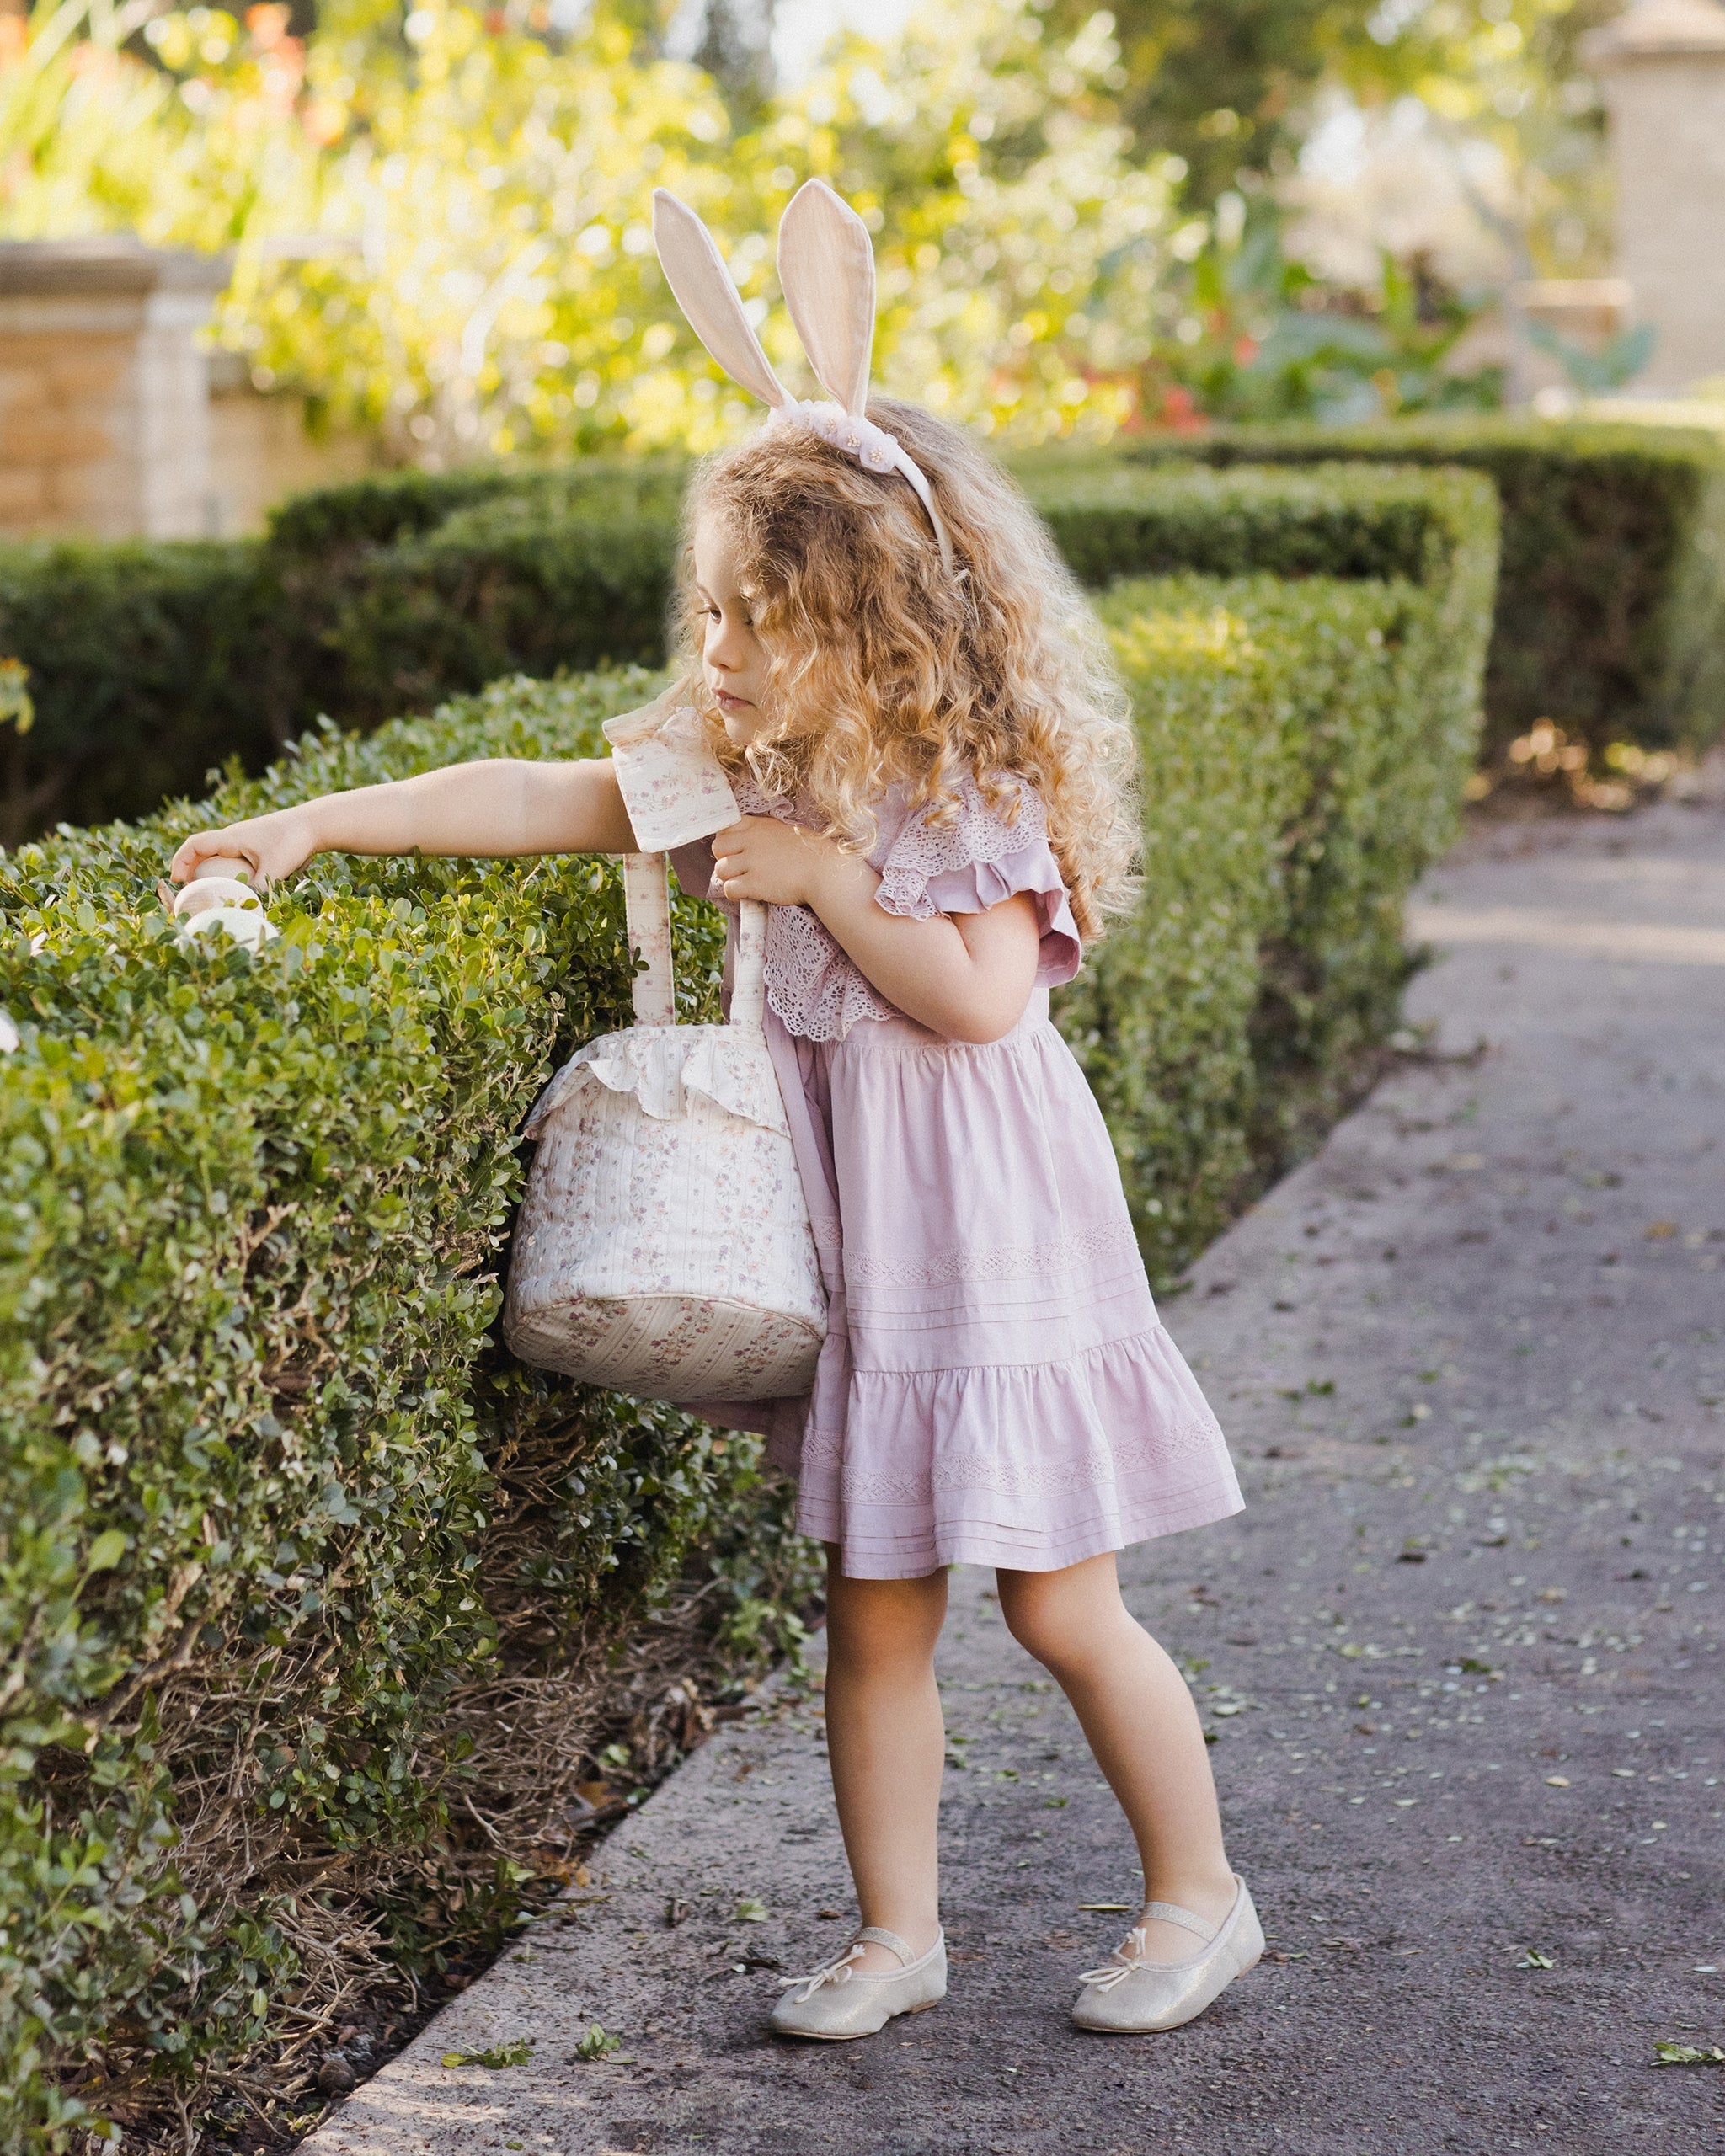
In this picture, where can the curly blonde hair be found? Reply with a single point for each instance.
(887, 670)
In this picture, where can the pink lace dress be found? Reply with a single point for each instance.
(996, 1387)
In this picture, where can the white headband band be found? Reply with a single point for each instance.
(826, 271)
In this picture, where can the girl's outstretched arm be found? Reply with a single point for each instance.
(968, 976)
(500, 807)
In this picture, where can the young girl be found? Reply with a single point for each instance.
(933, 765)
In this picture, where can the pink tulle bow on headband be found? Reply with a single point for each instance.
(827, 269)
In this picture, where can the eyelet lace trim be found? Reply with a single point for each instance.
(978, 836)
(811, 985)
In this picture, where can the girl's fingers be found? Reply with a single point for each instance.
(222, 848)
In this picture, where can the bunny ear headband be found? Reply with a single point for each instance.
(826, 268)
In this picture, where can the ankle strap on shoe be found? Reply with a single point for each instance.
(1172, 1912)
(890, 1940)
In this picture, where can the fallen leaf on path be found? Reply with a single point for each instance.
(1670, 2054)
(496, 2057)
(1557, 1781)
(597, 2043)
(1533, 1959)
(1108, 1909)
(751, 1912)
(1660, 1231)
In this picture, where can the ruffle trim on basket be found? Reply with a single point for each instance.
(662, 1065)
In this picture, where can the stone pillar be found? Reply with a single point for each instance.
(1661, 66)
(104, 392)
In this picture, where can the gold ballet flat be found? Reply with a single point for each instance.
(1129, 1996)
(839, 2002)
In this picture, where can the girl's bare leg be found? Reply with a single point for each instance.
(887, 1745)
(1143, 1728)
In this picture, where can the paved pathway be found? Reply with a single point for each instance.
(1460, 1654)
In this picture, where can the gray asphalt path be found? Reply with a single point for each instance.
(1460, 1654)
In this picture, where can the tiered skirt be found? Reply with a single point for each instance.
(996, 1387)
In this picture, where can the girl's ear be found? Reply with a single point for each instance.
(695, 270)
(826, 268)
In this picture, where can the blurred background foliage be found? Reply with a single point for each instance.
(1086, 220)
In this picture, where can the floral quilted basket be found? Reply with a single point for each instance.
(664, 1246)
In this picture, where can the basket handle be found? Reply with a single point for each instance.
(748, 982)
(647, 913)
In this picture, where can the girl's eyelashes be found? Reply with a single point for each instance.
(710, 610)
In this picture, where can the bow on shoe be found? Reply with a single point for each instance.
(834, 1972)
(1127, 1959)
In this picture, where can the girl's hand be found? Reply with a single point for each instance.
(782, 864)
(272, 847)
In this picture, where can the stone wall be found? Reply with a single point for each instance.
(109, 429)
(259, 451)
(104, 392)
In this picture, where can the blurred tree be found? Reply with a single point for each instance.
(1507, 75)
(1019, 246)
(439, 216)
(1223, 87)
(1230, 89)
(736, 50)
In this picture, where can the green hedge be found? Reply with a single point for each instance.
(1611, 612)
(255, 1453)
(271, 1508)
(1304, 757)
(151, 664)
(419, 585)
(148, 664)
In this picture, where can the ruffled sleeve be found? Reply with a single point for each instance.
(974, 863)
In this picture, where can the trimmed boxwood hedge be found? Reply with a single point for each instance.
(1304, 748)
(256, 1449)
(1611, 613)
(150, 664)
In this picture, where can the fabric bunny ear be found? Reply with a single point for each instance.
(705, 291)
(827, 269)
